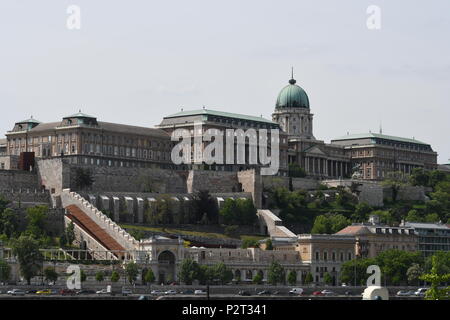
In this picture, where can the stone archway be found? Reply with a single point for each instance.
(248, 275)
(166, 267)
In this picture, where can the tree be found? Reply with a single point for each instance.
(189, 271)
(99, 276)
(327, 278)
(419, 177)
(132, 272)
(203, 204)
(258, 278)
(296, 171)
(36, 217)
(83, 178)
(5, 271)
(308, 279)
(361, 213)
(414, 216)
(434, 293)
(83, 275)
(115, 277)
(248, 242)
(413, 273)
(30, 258)
(50, 274)
(394, 265)
(395, 180)
(354, 271)
(8, 222)
(269, 244)
(222, 273)
(276, 273)
(329, 224)
(149, 276)
(292, 277)
(70, 233)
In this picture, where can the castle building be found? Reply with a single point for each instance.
(84, 140)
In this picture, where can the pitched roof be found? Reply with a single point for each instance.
(378, 135)
(116, 127)
(354, 230)
(218, 113)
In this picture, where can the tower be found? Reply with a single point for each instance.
(292, 111)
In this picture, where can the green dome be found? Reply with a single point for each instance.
(292, 96)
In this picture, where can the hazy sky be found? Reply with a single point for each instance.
(136, 61)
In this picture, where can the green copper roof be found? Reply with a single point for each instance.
(378, 135)
(292, 96)
(31, 120)
(218, 113)
(79, 115)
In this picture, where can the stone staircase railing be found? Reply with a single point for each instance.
(115, 231)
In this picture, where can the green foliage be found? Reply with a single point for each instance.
(8, 222)
(441, 262)
(327, 278)
(83, 178)
(238, 212)
(413, 273)
(354, 271)
(100, 276)
(436, 279)
(132, 271)
(231, 231)
(83, 275)
(5, 271)
(329, 224)
(115, 276)
(361, 213)
(258, 278)
(70, 233)
(395, 180)
(269, 245)
(50, 274)
(308, 279)
(292, 277)
(276, 273)
(295, 171)
(149, 276)
(394, 265)
(30, 258)
(189, 271)
(203, 204)
(36, 217)
(249, 243)
(137, 234)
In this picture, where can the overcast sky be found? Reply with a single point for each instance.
(134, 62)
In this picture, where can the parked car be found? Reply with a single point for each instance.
(126, 291)
(296, 291)
(67, 292)
(199, 292)
(188, 291)
(32, 291)
(275, 293)
(143, 298)
(170, 292)
(45, 291)
(157, 292)
(328, 293)
(244, 293)
(349, 293)
(404, 293)
(16, 292)
(80, 292)
(317, 293)
(103, 291)
(420, 292)
(264, 292)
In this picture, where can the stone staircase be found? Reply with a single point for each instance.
(274, 225)
(69, 198)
